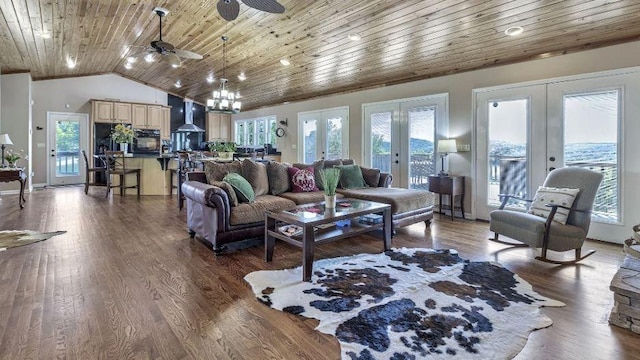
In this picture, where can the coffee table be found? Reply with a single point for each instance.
(314, 221)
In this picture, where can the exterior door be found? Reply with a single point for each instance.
(68, 135)
(323, 135)
(399, 138)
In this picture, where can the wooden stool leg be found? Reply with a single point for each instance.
(138, 182)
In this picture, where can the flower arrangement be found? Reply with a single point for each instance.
(122, 134)
(330, 178)
(12, 156)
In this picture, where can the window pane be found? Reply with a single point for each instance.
(261, 138)
(334, 138)
(249, 133)
(421, 136)
(309, 130)
(591, 141)
(507, 150)
(272, 133)
(381, 141)
(68, 148)
(240, 133)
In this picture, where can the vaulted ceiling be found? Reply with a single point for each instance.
(401, 41)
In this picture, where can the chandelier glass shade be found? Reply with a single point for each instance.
(224, 100)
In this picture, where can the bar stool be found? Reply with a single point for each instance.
(116, 165)
(94, 170)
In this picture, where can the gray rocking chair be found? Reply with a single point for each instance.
(538, 232)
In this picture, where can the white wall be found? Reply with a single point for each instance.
(15, 113)
(461, 112)
(73, 95)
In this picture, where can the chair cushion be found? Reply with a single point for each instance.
(256, 175)
(217, 171)
(351, 177)
(549, 195)
(306, 197)
(279, 180)
(231, 192)
(401, 200)
(243, 189)
(302, 180)
(247, 213)
(371, 176)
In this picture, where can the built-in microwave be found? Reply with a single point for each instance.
(147, 142)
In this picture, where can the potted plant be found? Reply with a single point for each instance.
(12, 157)
(225, 150)
(123, 135)
(330, 178)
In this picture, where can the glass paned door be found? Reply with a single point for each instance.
(68, 135)
(309, 139)
(334, 138)
(323, 134)
(381, 134)
(421, 146)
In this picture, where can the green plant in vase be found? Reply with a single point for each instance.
(123, 135)
(13, 156)
(330, 178)
(225, 150)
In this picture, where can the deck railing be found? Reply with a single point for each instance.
(67, 163)
(420, 167)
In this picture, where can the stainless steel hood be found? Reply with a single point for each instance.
(189, 126)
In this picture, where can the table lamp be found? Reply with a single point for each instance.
(4, 140)
(445, 147)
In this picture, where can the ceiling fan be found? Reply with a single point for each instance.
(229, 9)
(167, 51)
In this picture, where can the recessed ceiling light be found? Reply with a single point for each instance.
(354, 37)
(175, 66)
(45, 35)
(132, 59)
(149, 57)
(285, 62)
(71, 63)
(210, 79)
(178, 84)
(514, 31)
(128, 66)
(242, 77)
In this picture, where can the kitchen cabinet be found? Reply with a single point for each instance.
(165, 130)
(147, 116)
(122, 112)
(154, 117)
(218, 127)
(139, 116)
(111, 112)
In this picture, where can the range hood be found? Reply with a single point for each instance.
(188, 126)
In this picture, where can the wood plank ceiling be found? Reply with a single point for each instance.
(401, 41)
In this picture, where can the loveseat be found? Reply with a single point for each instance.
(220, 214)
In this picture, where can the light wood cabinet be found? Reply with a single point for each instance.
(154, 117)
(139, 116)
(102, 111)
(218, 127)
(165, 130)
(122, 113)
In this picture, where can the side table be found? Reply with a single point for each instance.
(448, 185)
(15, 174)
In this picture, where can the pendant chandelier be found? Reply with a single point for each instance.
(224, 100)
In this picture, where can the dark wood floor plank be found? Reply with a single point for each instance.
(126, 281)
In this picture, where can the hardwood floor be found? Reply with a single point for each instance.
(126, 282)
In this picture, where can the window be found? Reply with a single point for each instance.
(255, 133)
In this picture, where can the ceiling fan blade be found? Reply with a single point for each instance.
(270, 6)
(172, 59)
(187, 54)
(228, 9)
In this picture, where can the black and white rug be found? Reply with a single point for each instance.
(411, 304)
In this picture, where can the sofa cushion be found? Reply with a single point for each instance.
(302, 180)
(351, 177)
(216, 171)
(247, 213)
(306, 197)
(348, 162)
(401, 200)
(370, 176)
(231, 192)
(243, 189)
(256, 175)
(279, 180)
(317, 166)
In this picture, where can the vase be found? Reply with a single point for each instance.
(225, 155)
(330, 201)
(12, 164)
(124, 147)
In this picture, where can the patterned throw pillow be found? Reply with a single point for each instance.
(302, 180)
(549, 195)
(243, 189)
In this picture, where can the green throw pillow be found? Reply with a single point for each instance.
(351, 177)
(243, 189)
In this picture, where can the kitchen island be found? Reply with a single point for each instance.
(154, 179)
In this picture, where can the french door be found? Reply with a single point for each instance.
(525, 132)
(68, 135)
(399, 138)
(323, 134)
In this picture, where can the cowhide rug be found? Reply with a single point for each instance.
(14, 238)
(411, 303)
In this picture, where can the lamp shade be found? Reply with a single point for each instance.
(447, 146)
(5, 139)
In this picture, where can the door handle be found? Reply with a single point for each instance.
(551, 168)
(397, 162)
(553, 158)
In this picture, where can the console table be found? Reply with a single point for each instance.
(448, 185)
(15, 174)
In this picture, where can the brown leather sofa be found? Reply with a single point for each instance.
(211, 215)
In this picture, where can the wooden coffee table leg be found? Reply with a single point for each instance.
(307, 252)
(269, 241)
(387, 229)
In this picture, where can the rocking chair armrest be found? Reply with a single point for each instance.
(506, 197)
(568, 208)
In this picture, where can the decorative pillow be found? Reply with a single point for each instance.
(302, 180)
(279, 180)
(549, 195)
(317, 166)
(371, 176)
(216, 171)
(351, 177)
(231, 193)
(241, 186)
(348, 162)
(256, 175)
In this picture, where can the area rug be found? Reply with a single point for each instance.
(14, 238)
(411, 304)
